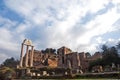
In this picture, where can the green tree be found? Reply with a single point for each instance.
(110, 55)
(88, 54)
(10, 62)
(49, 50)
(105, 50)
(113, 52)
(104, 47)
(118, 47)
(95, 63)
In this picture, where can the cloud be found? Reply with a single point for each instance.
(9, 40)
(3, 56)
(100, 40)
(77, 24)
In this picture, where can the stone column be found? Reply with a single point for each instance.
(78, 59)
(32, 53)
(69, 64)
(26, 57)
(70, 67)
(21, 56)
(65, 63)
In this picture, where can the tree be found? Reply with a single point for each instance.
(10, 62)
(113, 52)
(49, 50)
(95, 63)
(88, 54)
(105, 50)
(110, 55)
(118, 47)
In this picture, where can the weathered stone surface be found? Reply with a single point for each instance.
(26, 61)
(65, 58)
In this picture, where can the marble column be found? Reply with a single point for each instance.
(32, 53)
(26, 57)
(78, 59)
(70, 67)
(69, 64)
(65, 52)
(21, 56)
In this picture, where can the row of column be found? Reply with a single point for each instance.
(26, 56)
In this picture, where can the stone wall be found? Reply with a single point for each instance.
(64, 58)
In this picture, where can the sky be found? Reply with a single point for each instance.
(81, 25)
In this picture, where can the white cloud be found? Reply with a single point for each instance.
(9, 39)
(64, 17)
(100, 40)
(7, 23)
(94, 6)
(100, 25)
(111, 42)
(3, 56)
(22, 27)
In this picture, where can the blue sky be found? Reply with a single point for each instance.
(82, 25)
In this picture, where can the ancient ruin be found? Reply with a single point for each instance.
(28, 44)
(62, 58)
